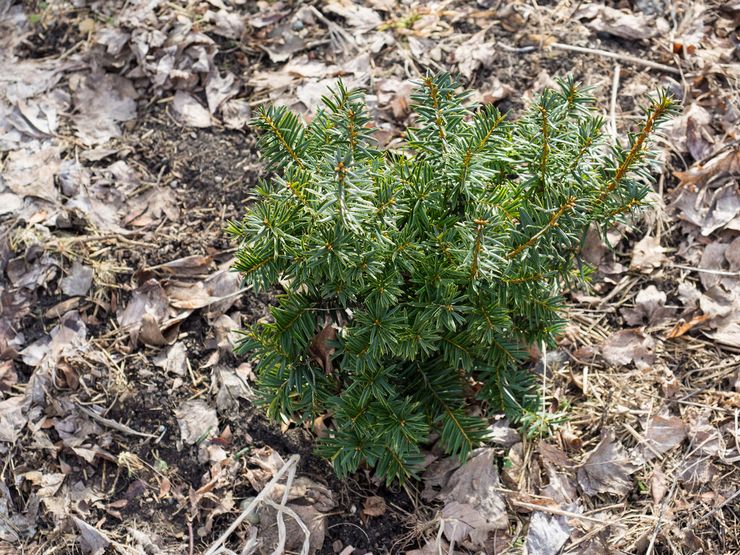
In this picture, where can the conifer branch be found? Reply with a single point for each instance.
(275, 130)
(659, 110)
(553, 222)
(438, 121)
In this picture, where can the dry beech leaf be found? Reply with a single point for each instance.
(374, 506)
(474, 54)
(629, 345)
(77, 283)
(663, 434)
(173, 360)
(607, 468)
(649, 308)
(356, 15)
(624, 24)
(12, 418)
(471, 494)
(547, 534)
(92, 540)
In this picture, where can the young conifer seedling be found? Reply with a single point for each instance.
(416, 279)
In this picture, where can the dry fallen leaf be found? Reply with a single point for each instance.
(374, 506)
(621, 23)
(188, 111)
(233, 386)
(356, 15)
(658, 486)
(471, 494)
(197, 421)
(474, 54)
(649, 308)
(12, 418)
(629, 345)
(682, 327)
(647, 255)
(173, 360)
(103, 101)
(607, 468)
(321, 349)
(662, 434)
(547, 534)
(78, 281)
(92, 540)
(723, 164)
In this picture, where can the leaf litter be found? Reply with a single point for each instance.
(116, 302)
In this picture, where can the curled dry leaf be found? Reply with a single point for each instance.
(173, 360)
(187, 266)
(607, 468)
(188, 111)
(28, 173)
(500, 433)
(12, 418)
(307, 491)
(658, 486)
(356, 15)
(647, 255)
(314, 520)
(321, 348)
(649, 308)
(8, 375)
(148, 298)
(374, 506)
(473, 54)
(724, 164)
(92, 540)
(233, 387)
(102, 102)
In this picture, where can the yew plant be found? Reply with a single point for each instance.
(415, 279)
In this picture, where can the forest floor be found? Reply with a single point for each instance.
(127, 424)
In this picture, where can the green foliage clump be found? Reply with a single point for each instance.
(416, 279)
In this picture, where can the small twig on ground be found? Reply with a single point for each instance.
(613, 103)
(559, 512)
(190, 536)
(705, 270)
(112, 423)
(641, 440)
(616, 56)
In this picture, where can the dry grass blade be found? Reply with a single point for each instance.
(218, 545)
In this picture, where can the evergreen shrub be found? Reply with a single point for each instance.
(415, 279)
